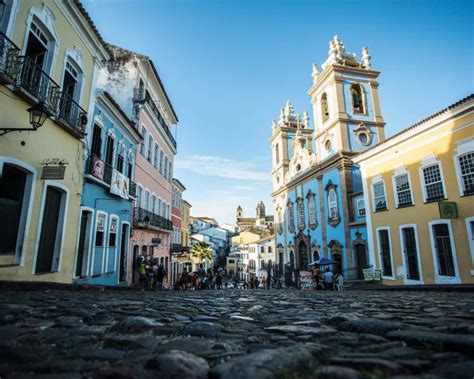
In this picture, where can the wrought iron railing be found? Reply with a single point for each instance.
(143, 218)
(178, 248)
(38, 84)
(9, 54)
(72, 113)
(132, 189)
(142, 96)
(354, 273)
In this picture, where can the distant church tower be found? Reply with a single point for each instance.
(239, 212)
(345, 100)
(260, 219)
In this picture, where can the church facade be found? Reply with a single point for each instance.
(261, 220)
(317, 189)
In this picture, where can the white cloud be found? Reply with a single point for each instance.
(222, 167)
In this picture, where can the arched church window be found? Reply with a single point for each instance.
(357, 93)
(313, 223)
(315, 256)
(301, 220)
(332, 202)
(277, 153)
(291, 217)
(292, 260)
(324, 107)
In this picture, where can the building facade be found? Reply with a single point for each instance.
(419, 187)
(261, 258)
(50, 55)
(317, 189)
(185, 222)
(176, 217)
(107, 201)
(260, 220)
(133, 81)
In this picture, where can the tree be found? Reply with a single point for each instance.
(202, 251)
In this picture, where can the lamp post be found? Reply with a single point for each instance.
(38, 116)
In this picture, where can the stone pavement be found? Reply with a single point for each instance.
(236, 334)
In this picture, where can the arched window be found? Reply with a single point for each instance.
(262, 264)
(146, 200)
(357, 95)
(269, 249)
(291, 217)
(262, 249)
(277, 153)
(332, 202)
(324, 107)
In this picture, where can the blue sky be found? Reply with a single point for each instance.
(229, 66)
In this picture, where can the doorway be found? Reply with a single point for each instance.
(123, 253)
(136, 254)
(50, 238)
(361, 259)
(302, 256)
(84, 239)
(411, 254)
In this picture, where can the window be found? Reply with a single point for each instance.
(165, 171)
(109, 155)
(96, 148)
(357, 95)
(100, 230)
(466, 172)
(170, 171)
(328, 145)
(37, 47)
(120, 163)
(433, 184)
(153, 203)
(385, 252)
(277, 153)
(157, 156)
(150, 149)
(312, 210)
(143, 141)
(291, 217)
(269, 249)
(71, 82)
(139, 196)
(443, 247)
(332, 202)
(470, 237)
(380, 201)
(324, 107)
(301, 220)
(129, 169)
(262, 249)
(146, 201)
(113, 232)
(403, 191)
(161, 161)
(360, 208)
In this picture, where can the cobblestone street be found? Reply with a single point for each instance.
(236, 334)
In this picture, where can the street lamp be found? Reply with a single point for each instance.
(38, 116)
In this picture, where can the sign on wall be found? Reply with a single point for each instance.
(97, 169)
(119, 184)
(306, 280)
(448, 209)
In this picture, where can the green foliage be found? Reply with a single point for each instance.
(202, 251)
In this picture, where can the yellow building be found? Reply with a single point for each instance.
(185, 222)
(50, 53)
(418, 188)
(249, 235)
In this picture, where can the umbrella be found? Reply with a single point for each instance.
(325, 262)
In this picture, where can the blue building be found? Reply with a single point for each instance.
(109, 190)
(317, 190)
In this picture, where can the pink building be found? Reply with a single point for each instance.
(134, 82)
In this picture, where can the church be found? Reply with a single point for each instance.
(317, 189)
(261, 220)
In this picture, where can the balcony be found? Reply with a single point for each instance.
(142, 96)
(145, 219)
(101, 172)
(9, 54)
(71, 114)
(178, 248)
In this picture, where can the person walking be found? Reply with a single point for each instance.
(327, 279)
(339, 282)
(159, 276)
(219, 280)
(184, 279)
(317, 273)
(256, 283)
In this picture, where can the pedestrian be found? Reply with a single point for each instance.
(149, 272)
(195, 281)
(165, 283)
(219, 280)
(317, 273)
(210, 278)
(160, 276)
(327, 278)
(339, 282)
(184, 279)
(201, 273)
(256, 283)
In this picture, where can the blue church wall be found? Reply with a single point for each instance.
(348, 101)
(104, 260)
(355, 144)
(355, 201)
(289, 145)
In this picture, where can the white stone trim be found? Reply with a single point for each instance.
(379, 252)
(463, 147)
(94, 236)
(402, 251)
(91, 227)
(442, 279)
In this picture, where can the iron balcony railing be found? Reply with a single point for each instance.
(72, 114)
(178, 248)
(9, 54)
(143, 218)
(38, 84)
(142, 96)
(105, 174)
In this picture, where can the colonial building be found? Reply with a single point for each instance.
(107, 201)
(261, 258)
(418, 192)
(50, 55)
(185, 222)
(176, 215)
(317, 189)
(133, 81)
(260, 220)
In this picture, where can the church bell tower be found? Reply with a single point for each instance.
(345, 100)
